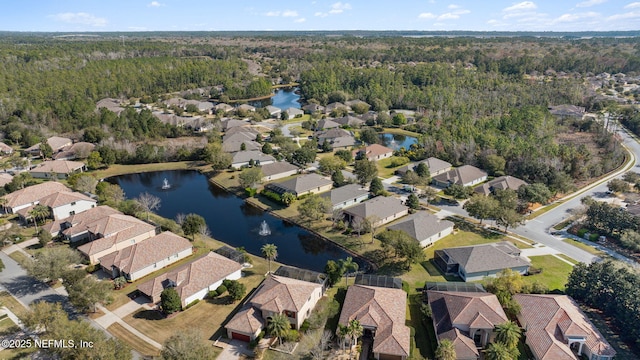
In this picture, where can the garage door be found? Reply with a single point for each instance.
(242, 337)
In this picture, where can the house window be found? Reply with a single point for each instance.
(73, 203)
(71, 213)
(155, 265)
(133, 241)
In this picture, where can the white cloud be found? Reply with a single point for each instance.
(154, 4)
(448, 16)
(339, 7)
(320, 14)
(632, 5)
(80, 18)
(299, 20)
(427, 16)
(590, 3)
(453, 6)
(520, 7)
(575, 17)
(290, 13)
(624, 16)
(272, 13)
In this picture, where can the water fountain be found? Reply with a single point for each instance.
(165, 184)
(264, 229)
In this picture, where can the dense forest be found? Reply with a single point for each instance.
(476, 98)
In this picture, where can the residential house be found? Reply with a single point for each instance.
(556, 329)
(75, 227)
(326, 124)
(243, 158)
(349, 120)
(246, 107)
(338, 138)
(231, 123)
(6, 149)
(278, 170)
(465, 175)
(145, 257)
(424, 227)
(311, 108)
(347, 195)
(193, 280)
(379, 210)
(373, 152)
(468, 319)
(472, 263)
(223, 107)
(502, 183)
(31, 195)
(175, 120)
(293, 113)
(274, 112)
(205, 107)
(334, 106)
(58, 143)
(110, 104)
(67, 203)
(435, 166)
(112, 233)
(240, 133)
(79, 150)
(351, 103)
(302, 185)
(232, 146)
(5, 178)
(382, 314)
(61, 169)
(276, 295)
(567, 110)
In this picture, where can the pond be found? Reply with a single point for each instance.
(284, 98)
(229, 218)
(396, 141)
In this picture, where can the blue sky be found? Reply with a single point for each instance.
(177, 15)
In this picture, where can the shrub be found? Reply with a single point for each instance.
(92, 268)
(271, 195)
(212, 294)
(251, 192)
(292, 336)
(594, 237)
(192, 303)
(170, 301)
(221, 289)
(305, 326)
(581, 232)
(44, 237)
(227, 282)
(398, 161)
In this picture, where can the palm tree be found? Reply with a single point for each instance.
(278, 326)
(3, 204)
(343, 332)
(446, 350)
(355, 330)
(270, 252)
(348, 265)
(497, 351)
(39, 211)
(508, 334)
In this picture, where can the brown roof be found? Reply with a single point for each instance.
(191, 277)
(248, 320)
(422, 225)
(5, 148)
(373, 150)
(383, 309)
(112, 230)
(57, 143)
(33, 193)
(77, 149)
(502, 183)
(462, 309)
(150, 251)
(380, 206)
(79, 223)
(464, 345)
(549, 319)
(461, 175)
(57, 166)
(278, 293)
(63, 198)
(5, 178)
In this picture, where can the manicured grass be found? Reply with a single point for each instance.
(12, 304)
(384, 171)
(17, 354)
(563, 224)
(554, 275)
(588, 248)
(135, 342)
(425, 337)
(20, 258)
(568, 258)
(118, 169)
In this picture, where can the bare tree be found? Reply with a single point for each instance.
(322, 343)
(336, 216)
(180, 218)
(203, 230)
(148, 202)
(373, 223)
(357, 224)
(86, 183)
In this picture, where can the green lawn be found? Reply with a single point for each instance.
(384, 169)
(20, 258)
(135, 342)
(588, 248)
(554, 275)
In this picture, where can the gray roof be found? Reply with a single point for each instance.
(277, 168)
(246, 156)
(236, 145)
(380, 206)
(343, 141)
(332, 133)
(486, 257)
(327, 124)
(461, 175)
(502, 183)
(273, 110)
(434, 164)
(231, 123)
(349, 120)
(240, 135)
(293, 111)
(345, 193)
(300, 184)
(422, 225)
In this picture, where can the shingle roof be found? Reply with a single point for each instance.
(277, 168)
(278, 293)
(460, 309)
(327, 124)
(33, 193)
(549, 318)
(343, 141)
(77, 149)
(81, 222)
(434, 164)
(345, 193)
(300, 184)
(5, 178)
(248, 155)
(487, 257)
(235, 146)
(113, 229)
(372, 151)
(248, 320)
(380, 206)
(192, 277)
(422, 225)
(63, 198)
(332, 134)
(461, 175)
(240, 133)
(57, 166)
(146, 253)
(349, 120)
(5, 148)
(464, 345)
(502, 183)
(384, 309)
(110, 104)
(57, 142)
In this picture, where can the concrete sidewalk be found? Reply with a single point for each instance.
(110, 318)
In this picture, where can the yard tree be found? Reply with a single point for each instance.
(314, 207)
(44, 237)
(494, 164)
(498, 351)
(84, 183)
(192, 224)
(399, 119)
(369, 135)
(236, 290)
(348, 265)
(375, 187)
(422, 170)
(618, 186)
(411, 250)
(94, 161)
(338, 178)
(355, 330)
(365, 171)
(50, 265)
(344, 155)
(535, 193)
(43, 316)
(278, 326)
(249, 177)
(446, 350)
(267, 149)
(413, 202)
(508, 218)
(39, 212)
(303, 156)
(86, 293)
(372, 223)
(331, 164)
(170, 301)
(216, 157)
(507, 198)
(326, 146)
(148, 202)
(458, 191)
(270, 252)
(481, 207)
(186, 345)
(509, 334)
(334, 272)
(287, 198)
(109, 194)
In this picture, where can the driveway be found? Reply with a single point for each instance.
(232, 349)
